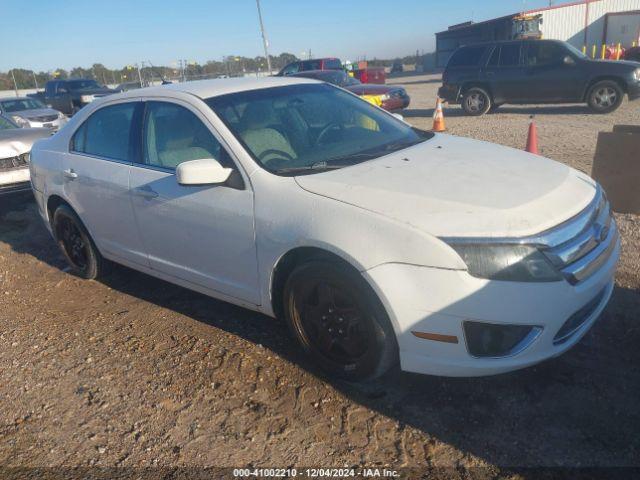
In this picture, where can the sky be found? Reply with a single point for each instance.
(47, 34)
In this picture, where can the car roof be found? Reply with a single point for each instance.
(219, 86)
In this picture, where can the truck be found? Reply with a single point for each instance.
(69, 96)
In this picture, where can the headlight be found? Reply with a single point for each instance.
(21, 122)
(511, 263)
(86, 98)
(61, 115)
(636, 74)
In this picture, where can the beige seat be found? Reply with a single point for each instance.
(259, 134)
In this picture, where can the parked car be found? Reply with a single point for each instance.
(314, 64)
(484, 76)
(392, 97)
(397, 67)
(375, 243)
(126, 86)
(29, 113)
(632, 54)
(15, 145)
(69, 96)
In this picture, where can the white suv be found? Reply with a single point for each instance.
(377, 242)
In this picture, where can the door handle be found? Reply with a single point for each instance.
(145, 192)
(70, 174)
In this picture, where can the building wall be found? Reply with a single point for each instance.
(623, 28)
(568, 23)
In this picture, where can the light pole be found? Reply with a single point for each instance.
(265, 42)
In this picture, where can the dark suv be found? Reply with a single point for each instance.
(482, 77)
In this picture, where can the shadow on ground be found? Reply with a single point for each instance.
(578, 409)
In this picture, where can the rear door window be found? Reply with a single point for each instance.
(541, 54)
(510, 55)
(467, 57)
(107, 133)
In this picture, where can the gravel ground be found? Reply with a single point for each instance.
(135, 372)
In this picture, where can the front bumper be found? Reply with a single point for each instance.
(438, 301)
(53, 125)
(14, 181)
(633, 91)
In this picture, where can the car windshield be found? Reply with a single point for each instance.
(308, 128)
(5, 124)
(82, 84)
(21, 104)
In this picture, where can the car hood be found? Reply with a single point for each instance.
(371, 89)
(457, 187)
(20, 140)
(36, 112)
(94, 91)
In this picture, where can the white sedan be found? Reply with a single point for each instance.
(377, 242)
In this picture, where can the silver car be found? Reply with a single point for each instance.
(15, 147)
(31, 113)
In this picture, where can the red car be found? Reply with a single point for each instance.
(307, 65)
(393, 97)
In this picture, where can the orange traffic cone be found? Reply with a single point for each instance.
(438, 117)
(532, 138)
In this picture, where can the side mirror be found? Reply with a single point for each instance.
(568, 60)
(202, 172)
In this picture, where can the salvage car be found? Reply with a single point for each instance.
(31, 113)
(375, 241)
(15, 145)
(69, 96)
(483, 77)
(312, 64)
(392, 97)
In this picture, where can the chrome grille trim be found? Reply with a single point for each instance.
(594, 260)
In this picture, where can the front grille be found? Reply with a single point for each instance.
(575, 321)
(44, 118)
(12, 163)
(589, 241)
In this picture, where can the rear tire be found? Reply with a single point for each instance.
(476, 102)
(605, 96)
(76, 244)
(339, 321)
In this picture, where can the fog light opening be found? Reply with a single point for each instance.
(490, 340)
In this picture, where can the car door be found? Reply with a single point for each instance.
(505, 75)
(202, 234)
(96, 179)
(53, 98)
(550, 77)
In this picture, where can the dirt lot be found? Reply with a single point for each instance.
(133, 371)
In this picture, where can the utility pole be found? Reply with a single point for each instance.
(35, 80)
(139, 74)
(15, 85)
(265, 42)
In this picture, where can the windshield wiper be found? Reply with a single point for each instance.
(316, 167)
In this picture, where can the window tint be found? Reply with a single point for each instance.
(6, 124)
(467, 57)
(172, 135)
(311, 65)
(544, 53)
(291, 68)
(510, 55)
(494, 60)
(107, 132)
(332, 64)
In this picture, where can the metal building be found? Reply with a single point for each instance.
(584, 24)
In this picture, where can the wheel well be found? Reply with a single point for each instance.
(288, 262)
(53, 203)
(617, 80)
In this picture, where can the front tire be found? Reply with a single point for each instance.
(605, 96)
(76, 244)
(476, 102)
(339, 321)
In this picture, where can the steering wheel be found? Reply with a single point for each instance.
(327, 129)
